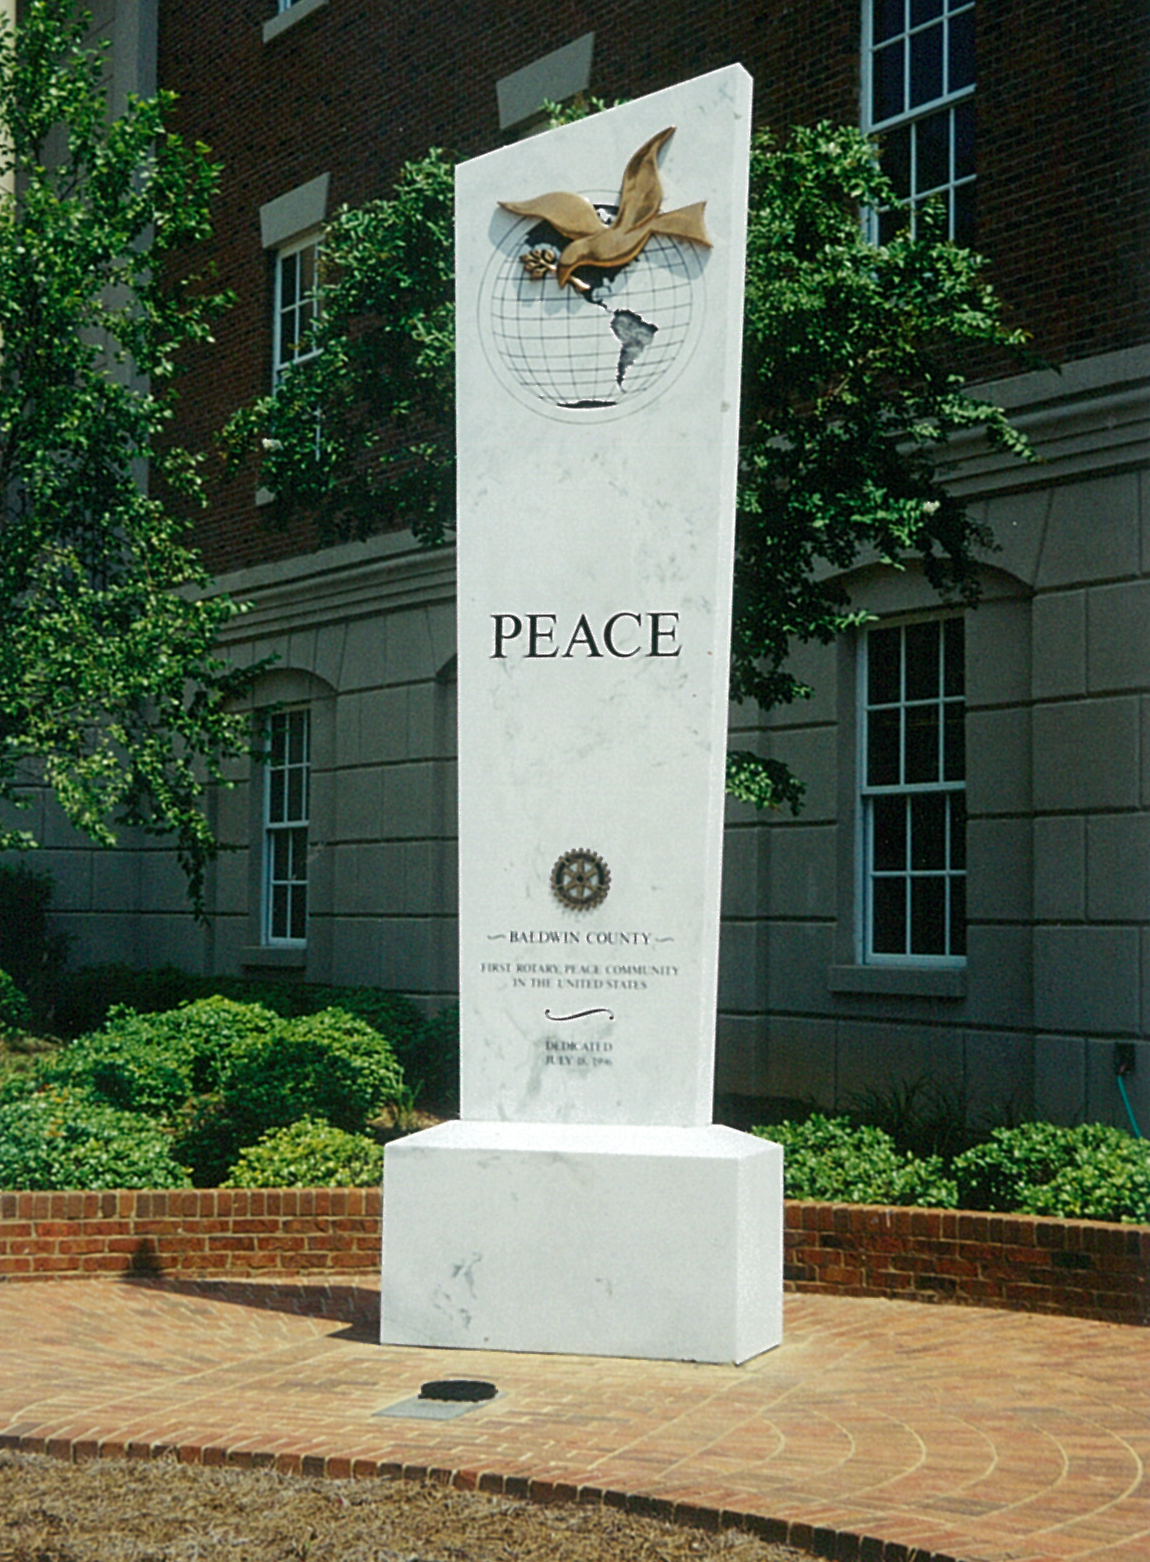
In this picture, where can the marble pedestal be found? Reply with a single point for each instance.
(591, 1239)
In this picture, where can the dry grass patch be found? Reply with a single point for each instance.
(162, 1511)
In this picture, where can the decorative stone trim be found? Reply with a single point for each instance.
(1023, 1263)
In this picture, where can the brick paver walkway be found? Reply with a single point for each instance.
(987, 1436)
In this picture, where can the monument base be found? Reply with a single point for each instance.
(584, 1239)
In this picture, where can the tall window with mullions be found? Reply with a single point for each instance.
(914, 794)
(286, 787)
(918, 99)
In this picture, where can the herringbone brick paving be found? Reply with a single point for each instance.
(950, 1432)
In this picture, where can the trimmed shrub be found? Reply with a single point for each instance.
(218, 1074)
(329, 1065)
(60, 1138)
(308, 1153)
(15, 1010)
(832, 1158)
(154, 1063)
(1091, 1172)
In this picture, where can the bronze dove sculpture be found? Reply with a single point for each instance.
(594, 243)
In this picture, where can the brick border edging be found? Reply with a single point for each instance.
(820, 1540)
(1032, 1263)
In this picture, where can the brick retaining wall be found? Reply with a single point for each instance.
(1027, 1263)
(219, 1231)
(1084, 1269)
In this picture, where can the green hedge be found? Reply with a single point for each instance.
(213, 1076)
(1092, 1172)
(833, 1158)
(331, 1066)
(309, 1153)
(60, 1138)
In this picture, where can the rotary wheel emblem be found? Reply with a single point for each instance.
(581, 879)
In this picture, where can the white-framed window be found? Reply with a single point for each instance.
(286, 804)
(296, 303)
(918, 98)
(913, 793)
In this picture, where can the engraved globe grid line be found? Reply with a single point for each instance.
(591, 354)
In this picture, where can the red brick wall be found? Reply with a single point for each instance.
(204, 1230)
(354, 90)
(1082, 1268)
(1026, 1263)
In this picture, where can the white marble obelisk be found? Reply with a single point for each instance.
(585, 1202)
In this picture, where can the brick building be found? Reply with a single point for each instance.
(840, 972)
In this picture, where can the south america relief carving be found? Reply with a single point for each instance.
(590, 248)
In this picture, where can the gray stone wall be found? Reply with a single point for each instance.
(1058, 743)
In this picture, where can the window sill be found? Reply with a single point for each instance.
(274, 957)
(899, 981)
(294, 13)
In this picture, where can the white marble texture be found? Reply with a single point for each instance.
(611, 1241)
(586, 1203)
(600, 511)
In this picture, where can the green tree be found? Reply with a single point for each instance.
(110, 693)
(852, 388)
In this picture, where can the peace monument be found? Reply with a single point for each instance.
(585, 1202)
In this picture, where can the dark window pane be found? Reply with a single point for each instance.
(281, 854)
(299, 856)
(299, 912)
(922, 662)
(960, 66)
(922, 757)
(923, 10)
(932, 169)
(957, 829)
(297, 745)
(926, 66)
(888, 77)
(888, 19)
(896, 164)
(295, 794)
(884, 675)
(288, 281)
(965, 230)
(928, 830)
(276, 736)
(928, 916)
(882, 766)
(953, 649)
(890, 834)
(964, 140)
(954, 742)
(275, 796)
(279, 918)
(889, 931)
(957, 917)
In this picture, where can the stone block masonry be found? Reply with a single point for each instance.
(1021, 1263)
